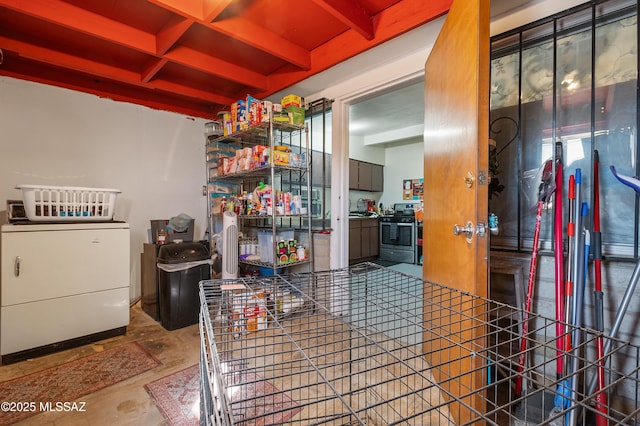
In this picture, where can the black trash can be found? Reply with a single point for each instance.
(181, 267)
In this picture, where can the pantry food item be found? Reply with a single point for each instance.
(291, 100)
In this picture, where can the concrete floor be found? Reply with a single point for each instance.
(127, 402)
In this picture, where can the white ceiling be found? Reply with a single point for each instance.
(382, 119)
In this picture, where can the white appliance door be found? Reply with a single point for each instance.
(62, 282)
(39, 265)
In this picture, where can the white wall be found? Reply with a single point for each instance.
(359, 151)
(54, 136)
(401, 162)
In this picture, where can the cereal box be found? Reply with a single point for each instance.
(291, 100)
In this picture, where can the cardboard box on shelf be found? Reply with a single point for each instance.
(296, 115)
(280, 157)
(291, 100)
(244, 156)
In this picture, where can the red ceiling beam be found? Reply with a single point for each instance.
(187, 8)
(63, 14)
(190, 92)
(258, 37)
(240, 29)
(171, 33)
(151, 68)
(200, 10)
(350, 13)
(86, 66)
(213, 8)
(78, 19)
(152, 99)
(200, 61)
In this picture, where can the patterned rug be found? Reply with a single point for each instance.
(177, 396)
(74, 379)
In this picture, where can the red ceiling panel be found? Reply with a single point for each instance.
(193, 56)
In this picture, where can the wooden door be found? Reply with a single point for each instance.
(455, 192)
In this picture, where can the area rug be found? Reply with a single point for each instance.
(74, 379)
(177, 396)
(255, 401)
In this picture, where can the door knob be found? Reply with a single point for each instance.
(467, 229)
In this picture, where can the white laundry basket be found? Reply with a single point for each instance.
(68, 203)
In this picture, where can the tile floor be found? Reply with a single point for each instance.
(127, 402)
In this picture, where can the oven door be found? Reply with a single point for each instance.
(397, 234)
(397, 242)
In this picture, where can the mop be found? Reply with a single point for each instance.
(546, 189)
(564, 386)
(582, 264)
(634, 183)
(601, 396)
(558, 250)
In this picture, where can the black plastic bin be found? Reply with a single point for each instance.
(181, 267)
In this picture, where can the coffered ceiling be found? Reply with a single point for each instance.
(194, 56)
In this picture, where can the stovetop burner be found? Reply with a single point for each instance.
(403, 213)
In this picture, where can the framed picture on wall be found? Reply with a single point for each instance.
(412, 189)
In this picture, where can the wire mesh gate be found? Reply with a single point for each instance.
(371, 346)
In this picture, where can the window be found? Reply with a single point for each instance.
(568, 82)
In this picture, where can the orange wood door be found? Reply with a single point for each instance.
(456, 153)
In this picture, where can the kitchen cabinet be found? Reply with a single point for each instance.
(364, 239)
(62, 285)
(364, 176)
(370, 238)
(353, 174)
(377, 178)
(355, 240)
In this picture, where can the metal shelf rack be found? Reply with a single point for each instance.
(270, 134)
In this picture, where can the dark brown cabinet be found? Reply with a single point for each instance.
(353, 174)
(355, 238)
(370, 238)
(364, 239)
(365, 176)
(377, 178)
